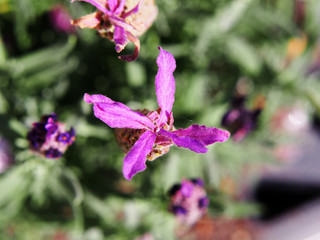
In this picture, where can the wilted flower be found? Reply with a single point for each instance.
(60, 19)
(189, 201)
(150, 134)
(241, 121)
(6, 158)
(120, 21)
(49, 137)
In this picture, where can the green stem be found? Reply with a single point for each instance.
(76, 201)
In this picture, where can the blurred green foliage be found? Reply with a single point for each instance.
(217, 45)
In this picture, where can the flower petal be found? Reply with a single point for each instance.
(135, 161)
(206, 135)
(165, 84)
(120, 38)
(117, 115)
(135, 54)
(132, 11)
(96, 98)
(120, 7)
(88, 21)
(112, 5)
(184, 141)
(100, 4)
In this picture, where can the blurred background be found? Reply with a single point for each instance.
(249, 66)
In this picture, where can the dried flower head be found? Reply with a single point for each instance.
(49, 137)
(189, 201)
(120, 21)
(6, 158)
(152, 133)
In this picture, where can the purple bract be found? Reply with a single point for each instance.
(113, 21)
(189, 201)
(157, 126)
(49, 137)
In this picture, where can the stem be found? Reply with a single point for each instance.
(75, 201)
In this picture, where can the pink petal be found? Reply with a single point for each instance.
(120, 7)
(96, 98)
(186, 142)
(118, 115)
(135, 161)
(120, 38)
(112, 5)
(88, 21)
(100, 4)
(132, 11)
(165, 84)
(206, 135)
(135, 54)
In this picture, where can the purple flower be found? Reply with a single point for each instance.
(239, 120)
(157, 126)
(6, 158)
(189, 201)
(115, 23)
(60, 19)
(49, 137)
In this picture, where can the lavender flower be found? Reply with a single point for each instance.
(154, 131)
(239, 120)
(189, 201)
(49, 137)
(113, 21)
(6, 158)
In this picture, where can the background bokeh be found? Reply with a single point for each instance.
(266, 49)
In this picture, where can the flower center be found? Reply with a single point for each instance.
(127, 137)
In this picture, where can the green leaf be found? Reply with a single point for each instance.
(244, 55)
(40, 60)
(222, 22)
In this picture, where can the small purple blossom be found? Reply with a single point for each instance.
(157, 126)
(113, 21)
(6, 158)
(189, 202)
(239, 120)
(60, 19)
(49, 137)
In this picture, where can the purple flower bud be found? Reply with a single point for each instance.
(178, 210)
(52, 153)
(203, 202)
(239, 120)
(189, 201)
(198, 181)
(49, 137)
(6, 158)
